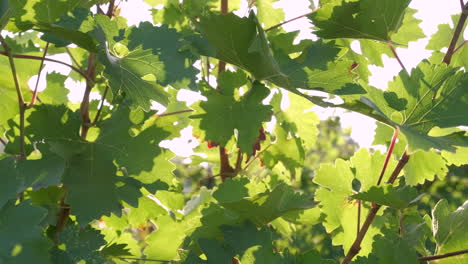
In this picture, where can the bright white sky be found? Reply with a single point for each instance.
(431, 12)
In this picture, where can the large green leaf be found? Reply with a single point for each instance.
(66, 31)
(90, 173)
(149, 64)
(26, 244)
(242, 42)
(79, 245)
(336, 187)
(223, 114)
(388, 195)
(367, 19)
(267, 14)
(264, 207)
(433, 95)
(20, 175)
(450, 230)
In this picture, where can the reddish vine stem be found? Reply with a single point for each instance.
(84, 107)
(389, 154)
(20, 56)
(225, 168)
(356, 247)
(392, 48)
(403, 160)
(456, 35)
(34, 96)
(290, 20)
(446, 255)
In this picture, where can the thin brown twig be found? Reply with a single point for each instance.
(10, 56)
(72, 58)
(456, 35)
(21, 103)
(290, 20)
(460, 46)
(446, 255)
(256, 156)
(3, 141)
(401, 163)
(20, 56)
(462, 5)
(84, 107)
(34, 96)
(101, 106)
(392, 48)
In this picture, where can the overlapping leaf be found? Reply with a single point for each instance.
(365, 19)
(433, 95)
(80, 245)
(224, 114)
(450, 230)
(20, 175)
(149, 64)
(28, 243)
(388, 195)
(336, 187)
(264, 207)
(90, 173)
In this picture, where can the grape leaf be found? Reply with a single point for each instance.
(424, 166)
(90, 172)
(55, 92)
(285, 149)
(174, 61)
(250, 244)
(241, 42)
(433, 95)
(25, 69)
(390, 248)
(365, 19)
(264, 207)
(66, 31)
(336, 186)
(80, 245)
(163, 243)
(28, 243)
(388, 195)
(267, 14)
(223, 114)
(44, 11)
(20, 175)
(248, 48)
(444, 33)
(299, 109)
(450, 230)
(146, 60)
(409, 31)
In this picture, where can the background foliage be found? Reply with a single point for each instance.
(91, 182)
